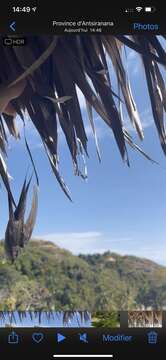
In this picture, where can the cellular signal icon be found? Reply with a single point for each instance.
(139, 8)
(129, 10)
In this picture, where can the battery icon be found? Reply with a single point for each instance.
(150, 9)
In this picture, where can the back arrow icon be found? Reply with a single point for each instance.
(12, 26)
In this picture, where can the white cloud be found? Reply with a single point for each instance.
(146, 118)
(76, 242)
(102, 130)
(133, 62)
(91, 242)
(88, 242)
(153, 252)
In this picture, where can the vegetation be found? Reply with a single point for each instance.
(46, 277)
(106, 319)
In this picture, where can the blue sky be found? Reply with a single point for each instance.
(118, 208)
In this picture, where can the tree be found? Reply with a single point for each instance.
(106, 319)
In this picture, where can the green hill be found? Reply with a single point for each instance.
(48, 277)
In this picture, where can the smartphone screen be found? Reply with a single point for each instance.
(82, 174)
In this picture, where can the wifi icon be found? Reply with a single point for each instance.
(139, 8)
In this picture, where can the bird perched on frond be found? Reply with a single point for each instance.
(18, 232)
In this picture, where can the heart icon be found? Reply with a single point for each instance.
(37, 337)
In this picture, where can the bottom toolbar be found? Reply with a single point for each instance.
(89, 342)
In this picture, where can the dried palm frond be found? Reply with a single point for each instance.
(67, 317)
(42, 78)
(78, 316)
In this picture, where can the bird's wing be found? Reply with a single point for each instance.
(20, 209)
(30, 223)
(13, 236)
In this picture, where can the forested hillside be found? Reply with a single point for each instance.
(48, 277)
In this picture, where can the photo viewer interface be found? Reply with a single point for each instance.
(82, 174)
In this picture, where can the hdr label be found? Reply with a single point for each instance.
(14, 41)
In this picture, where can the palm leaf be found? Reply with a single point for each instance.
(42, 79)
